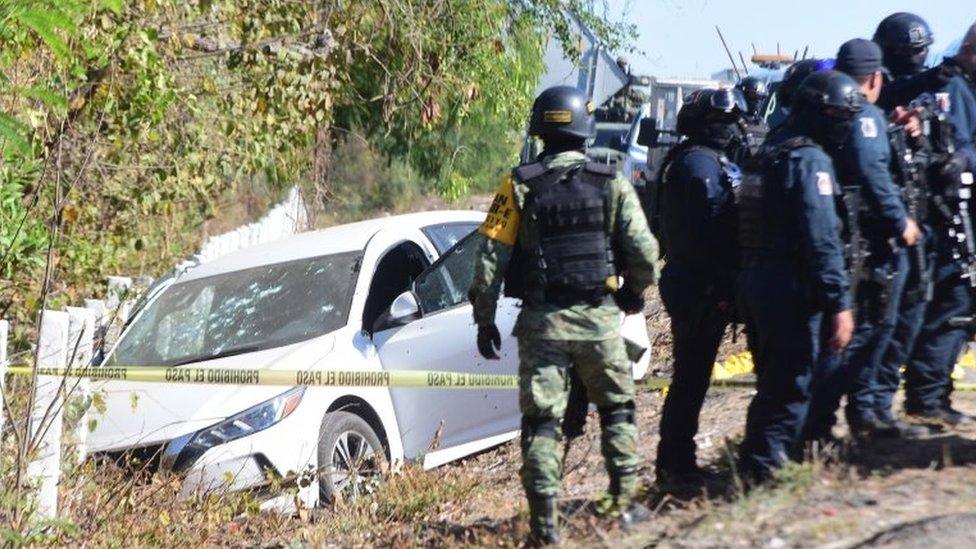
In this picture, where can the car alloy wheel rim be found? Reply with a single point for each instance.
(353, 464)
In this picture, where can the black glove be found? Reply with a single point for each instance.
(628, 300)
(489, 341)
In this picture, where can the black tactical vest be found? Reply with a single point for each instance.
(754, 234)
(731, 178)
(750, 195)
(573, 259)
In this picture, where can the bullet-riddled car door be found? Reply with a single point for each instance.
(444, 339)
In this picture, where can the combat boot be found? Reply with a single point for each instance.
(872, 427)
(689, 474)
(904, 429)
(543, 522)
(623, 488)
(944, 418)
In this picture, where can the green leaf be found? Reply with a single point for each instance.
(46, 23)
(14, 133)
(46, 96)
(114, 5)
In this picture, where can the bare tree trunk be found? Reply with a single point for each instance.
(321, 164)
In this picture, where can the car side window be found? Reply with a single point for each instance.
(446, 283)
(446, 235)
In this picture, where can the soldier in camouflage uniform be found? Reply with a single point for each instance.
(558, 234)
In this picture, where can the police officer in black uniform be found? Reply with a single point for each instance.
(904, 39)
(863, 167)
(698, 229)
(926, 341)
(794, 75)
(753, 125)
(794, 289)
(754, 90)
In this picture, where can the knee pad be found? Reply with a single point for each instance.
(616, 414)
(547, 427)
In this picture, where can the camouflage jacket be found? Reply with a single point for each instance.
(505, 229)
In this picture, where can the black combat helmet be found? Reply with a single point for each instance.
(904, 39)
(795, 74)
(562, 111)
(825, 103)
(711, 115)
(754, 91)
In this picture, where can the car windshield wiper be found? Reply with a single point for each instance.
(219, 354)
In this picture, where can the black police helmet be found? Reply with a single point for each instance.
(796, 73)
(562, 110)
(753, 88)
(830, 92)
(826, 102)
(904, 39)
(903, 30)
(705, 106)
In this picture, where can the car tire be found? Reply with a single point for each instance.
(350, 457)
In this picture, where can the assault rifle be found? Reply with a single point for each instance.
(855, 246)
(910, 175)
(951, 187)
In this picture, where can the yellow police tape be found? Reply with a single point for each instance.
(290, 378)
(724, 374)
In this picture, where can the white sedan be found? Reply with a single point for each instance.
(384, 294)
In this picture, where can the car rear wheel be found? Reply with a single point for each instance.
(350, 457)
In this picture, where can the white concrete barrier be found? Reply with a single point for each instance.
(81, 348)
(46, 419)
(284, 219)
(119, 288)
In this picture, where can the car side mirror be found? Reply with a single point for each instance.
(647, 133)
(404, 310)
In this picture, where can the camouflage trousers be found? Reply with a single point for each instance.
(605, 370)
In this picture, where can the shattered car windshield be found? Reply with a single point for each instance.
(242, 311)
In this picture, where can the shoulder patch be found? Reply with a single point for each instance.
(869, 128)
(502, 223)
(825, 185)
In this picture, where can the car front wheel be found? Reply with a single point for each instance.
(350, 457)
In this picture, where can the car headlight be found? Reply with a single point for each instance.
(182, 452)
(250, 421)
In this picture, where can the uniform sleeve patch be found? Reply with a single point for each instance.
(502, 223)
(825, 185)
(869, 128)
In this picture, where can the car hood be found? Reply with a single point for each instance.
(131, 414)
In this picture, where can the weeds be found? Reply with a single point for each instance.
(104, 504)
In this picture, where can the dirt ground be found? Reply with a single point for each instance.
(878, 494)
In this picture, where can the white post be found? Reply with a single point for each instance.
(46, 415)
(4, 331)
(118, 289)
(100, 310)
(142, 283)
(81, 347)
